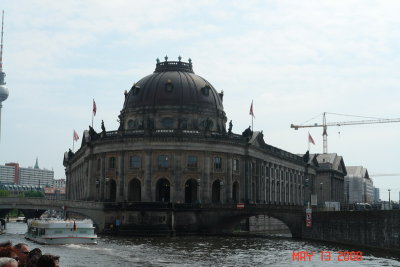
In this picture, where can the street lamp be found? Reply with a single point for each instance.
(389, 197)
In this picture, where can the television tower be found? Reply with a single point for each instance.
(3, 88)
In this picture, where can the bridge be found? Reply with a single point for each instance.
(377, 228)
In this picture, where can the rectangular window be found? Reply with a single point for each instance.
(235, 164)
(111, 162)
(217, 163)
(192, 162)
(163, 162)
(135, 162)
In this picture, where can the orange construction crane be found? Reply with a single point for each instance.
(325, 125)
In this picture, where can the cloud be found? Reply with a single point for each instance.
(295, 59)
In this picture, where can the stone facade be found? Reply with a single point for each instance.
(329, 180)
(172, 146)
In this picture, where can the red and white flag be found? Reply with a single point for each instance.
(76, 136)
(94, 108)
(310, 139)
(251, 109)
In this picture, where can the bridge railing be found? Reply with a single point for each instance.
(195, 206)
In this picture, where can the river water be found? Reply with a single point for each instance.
(198, 251)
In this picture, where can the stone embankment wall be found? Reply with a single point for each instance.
(379, 229)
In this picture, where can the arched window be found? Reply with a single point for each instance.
(134, 190)
(111, 163)
(216, 191)
(191, 191)
(235, 192)
(112, 190)
(163, 190)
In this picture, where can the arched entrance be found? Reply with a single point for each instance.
(235, 192)
(112, 190)
(191, 191)
(163, 190)
(134, 190)
(216, 191)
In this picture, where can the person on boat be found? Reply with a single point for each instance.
(5, 244)
(9, 252)
(23, 251)
(8, 262)
(48, 260)
(33, 257)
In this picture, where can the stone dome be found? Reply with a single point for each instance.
(175, 89)
(174, 83)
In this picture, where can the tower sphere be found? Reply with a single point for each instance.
(3, 93)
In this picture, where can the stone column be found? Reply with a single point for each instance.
(121, 177)
(228, 187)
(242, 180)
(177, 186)
(258, 183)
(91, 184)
(247, 180)
(205, 185)
(147, 192)
(102, 177)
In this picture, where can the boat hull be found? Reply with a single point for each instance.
(62, 240)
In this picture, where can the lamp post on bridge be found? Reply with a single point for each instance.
(389, 199)
(221, 191)
(97, 189)
(107, 197)
(198, 190)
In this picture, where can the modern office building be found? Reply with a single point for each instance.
(377, 197)
(7, 174)
(59, 183)
(12, 173)
(358, 186)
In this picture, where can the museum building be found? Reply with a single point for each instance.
(173, 145)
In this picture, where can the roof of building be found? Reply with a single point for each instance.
(173, 83)
(331, 161)
(357, 171)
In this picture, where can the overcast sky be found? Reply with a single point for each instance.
(295, 59)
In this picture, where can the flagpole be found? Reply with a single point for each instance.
(252, 127)
(73, 142)
(92, 112)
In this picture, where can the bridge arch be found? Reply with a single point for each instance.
(222, 222)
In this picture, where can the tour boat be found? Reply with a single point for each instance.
(60, 232)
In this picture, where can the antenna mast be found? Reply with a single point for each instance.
(1, 48)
